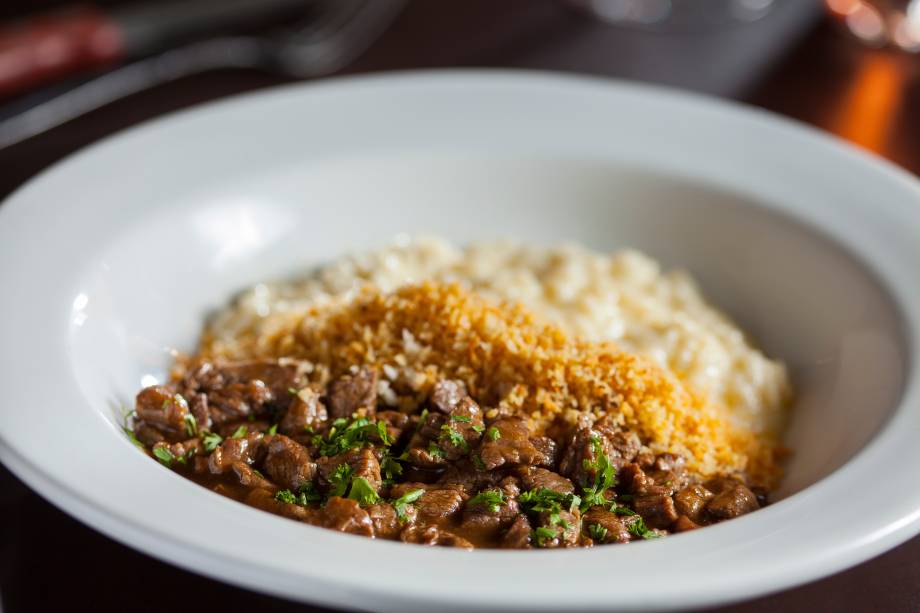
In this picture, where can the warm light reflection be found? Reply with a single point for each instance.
(870, 105)
(878, 22)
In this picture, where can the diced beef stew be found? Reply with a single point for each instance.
(441, 473)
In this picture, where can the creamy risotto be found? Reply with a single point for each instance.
(623, 297)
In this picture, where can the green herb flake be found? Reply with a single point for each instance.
(453, 437)
(435, 451)
(545, 500)
(240, 432)
(292, 391)
(597, 532)
(461, 418)
(191, 424)
(164, 455)
(637, 527)
(477, 462)
(490, 499)
(211, 440)
(358, 433)
(493, 434)
(286, 496)
(272, 430)
(363, 492)
(401, 503)
(340, 480)
(477, 428)
(543, 534)
(390, 467)
(604, 477)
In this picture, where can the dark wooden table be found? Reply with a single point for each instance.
(49, 561)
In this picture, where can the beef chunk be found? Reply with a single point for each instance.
(146, 434)
(159, 407)
(548, 449)
(199, 409)
(684, 524)
(611, 528)
(732, 501)
(462, 430)
(581, 454)
(182, 451)
(265, 500)
(518, 535)
(363, 463)
(346, 515)
(278, 376)
(250, 477)
(386, 523)
(537, 478)
(631, 479)
(466, 477)
(554, 532)
(288, 463)
(248, 449)
(352, 392)
(479, 518)
(691, 501)
(439, 504)
(239, 400)
(512, 447)
(396, 423)
(424, 448)
(446, 394)
(305, 412)
(433, 536)
(656, 509)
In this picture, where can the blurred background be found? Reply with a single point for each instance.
(72, 74)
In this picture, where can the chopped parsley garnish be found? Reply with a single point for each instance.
(292, 391)
(126, 417)
(477, 428)
(211, 440)
(493, 434)
(597, 532)
(490, 499)
(422, 418)
(545, 500)
(453, 437)
(240, 432)
(543, 534)
(604, 477)
(191, 424)
(390, 467)
(637, 527)
(404, 501)
(344, 435)
(164, 455)
(305, 495)
(272, 430)
(362, 492)
(340, 480)
(435, 451)
(477, 461)
(286, 496)
(462, 418)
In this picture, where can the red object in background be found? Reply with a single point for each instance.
(51, 46)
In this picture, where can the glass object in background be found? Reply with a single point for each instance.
(881, 22)
(675, 15)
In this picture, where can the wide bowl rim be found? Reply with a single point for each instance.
(812, 559)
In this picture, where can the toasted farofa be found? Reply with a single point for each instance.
(513, 361)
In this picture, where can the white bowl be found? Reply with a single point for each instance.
(113, 257)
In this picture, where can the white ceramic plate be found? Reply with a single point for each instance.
(115, 255)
